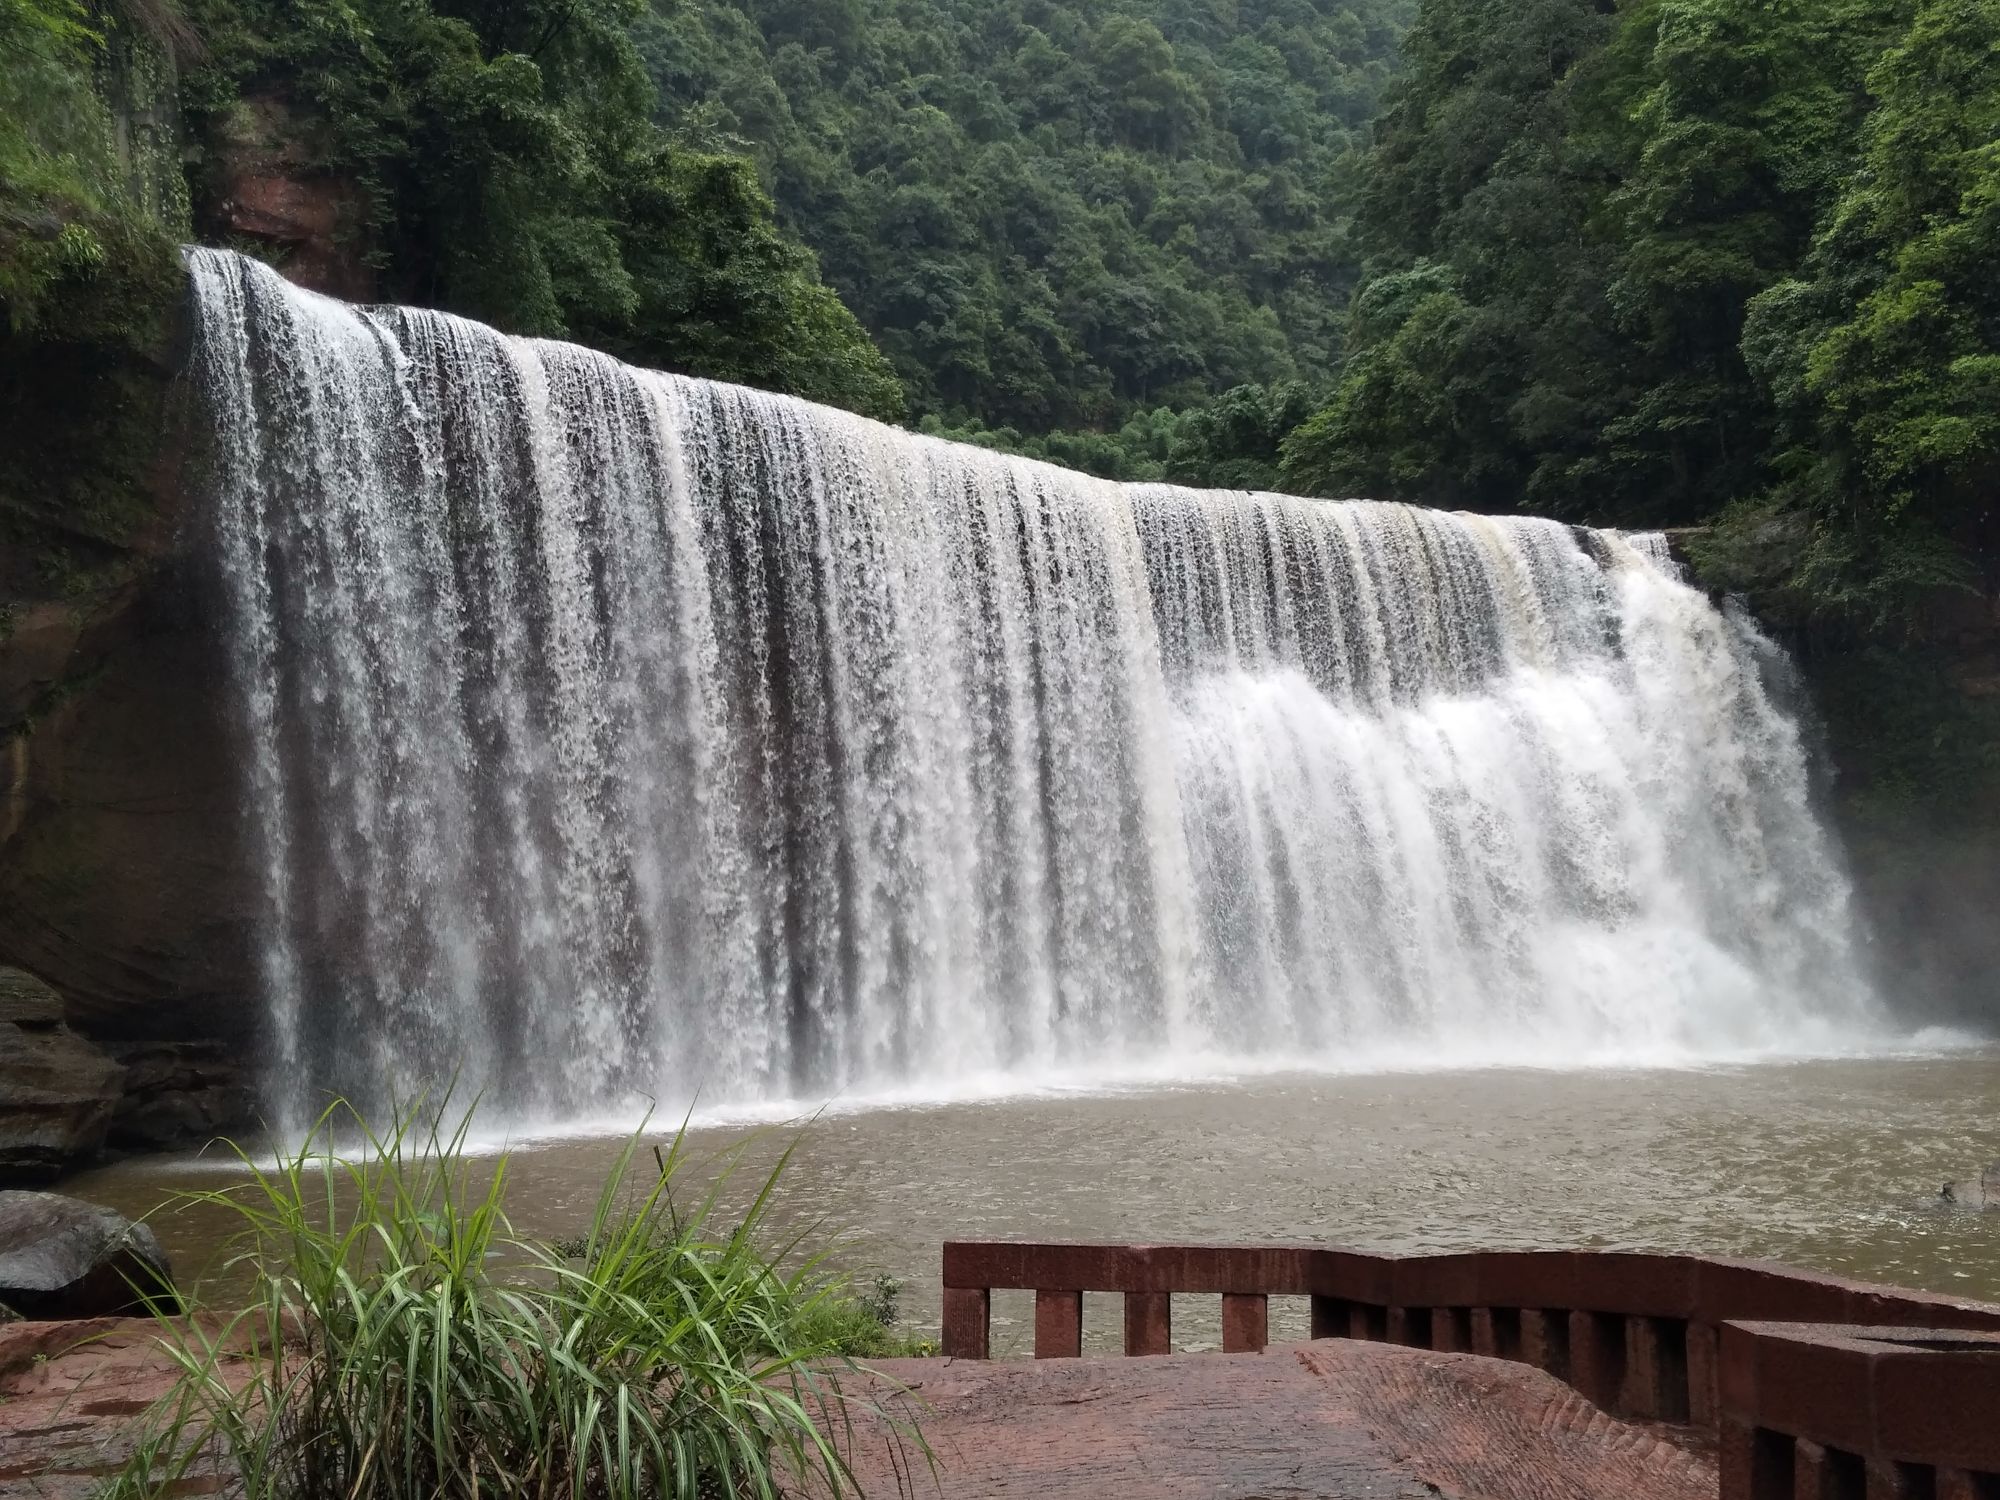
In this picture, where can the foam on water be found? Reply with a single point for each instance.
(616, 735)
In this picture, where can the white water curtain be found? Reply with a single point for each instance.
(616, 734)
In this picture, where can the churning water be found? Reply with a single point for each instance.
(611, 734)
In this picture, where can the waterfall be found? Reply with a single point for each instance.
(612, 734)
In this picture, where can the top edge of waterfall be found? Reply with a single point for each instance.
(1642, 538)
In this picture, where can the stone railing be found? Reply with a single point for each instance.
(1817, 1388)
(1814, 1411)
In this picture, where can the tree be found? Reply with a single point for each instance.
(510, 170)
(1885, 354)
(1051, 215)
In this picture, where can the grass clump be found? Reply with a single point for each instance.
(401, 1340)
(860, 1325)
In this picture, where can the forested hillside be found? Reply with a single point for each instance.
(496, 158)
(1686, 259)
(1054, 215)
(1658, 262)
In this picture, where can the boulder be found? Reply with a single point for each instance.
(64, 1258)
(181, 1094)
(60, 1091)
(1982, 1194)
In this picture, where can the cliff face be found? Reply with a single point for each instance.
(1908, 726)
(123, 876)
(121, 880)
(265, 191)
(1912, 735)
(121, 883)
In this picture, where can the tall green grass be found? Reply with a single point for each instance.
(400, 1341)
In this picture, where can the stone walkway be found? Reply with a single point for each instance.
(1335, 1420)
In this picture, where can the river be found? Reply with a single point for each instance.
(1833, 1165)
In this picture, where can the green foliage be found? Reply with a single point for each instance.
(1054, 217)
(497, 158)
(1481, 300)
(1676, 261)
(1135, 452)
(861, 1326)
(68, 230)
(1920, 758)
(1414, 413)
(719, 291)
(1234, 441)
(88, 281)
(1883, 355)
(1231, 442)
(403, 1342)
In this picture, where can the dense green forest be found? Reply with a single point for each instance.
(499, 159)
(510, 169)
(1679, 260)
(1054, 216)
(1661, 262)
(1654, 262)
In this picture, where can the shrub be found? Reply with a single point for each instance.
(402, 1341)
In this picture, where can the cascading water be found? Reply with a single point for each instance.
(609, 733)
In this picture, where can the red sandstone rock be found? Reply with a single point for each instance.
(60, 1091)
(68, 1395)
(273, 193)
(1334, 1419)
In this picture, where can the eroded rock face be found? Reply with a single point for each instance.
(178, 1094)
(59, 1091)
(123, 886)
(64, 1258)
(123, 878)
(271, 190)
(122, 882)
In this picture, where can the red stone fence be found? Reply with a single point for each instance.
(1818, 1388)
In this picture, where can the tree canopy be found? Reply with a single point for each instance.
(1054, 216)
(1670, 261)
(510, 169)
(1643, 262)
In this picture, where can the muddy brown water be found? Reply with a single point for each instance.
(1831, 1165)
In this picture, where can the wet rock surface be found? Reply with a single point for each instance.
(62, 1258)
(1978, 1194)
(1335, 1419)
(60, 1091)
(69, 1395)
(273, 192)
(180, 1094)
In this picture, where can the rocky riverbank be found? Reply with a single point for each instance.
(67, 1098)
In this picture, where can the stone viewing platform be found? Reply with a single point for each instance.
(1504, 1376)
(1332, 1418)
(1803, 1387)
